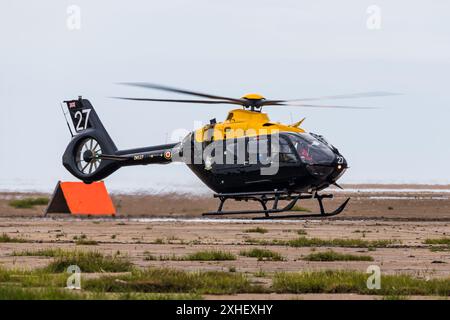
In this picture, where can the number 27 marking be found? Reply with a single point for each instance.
(79, 116)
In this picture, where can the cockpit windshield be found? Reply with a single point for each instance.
(312, 150)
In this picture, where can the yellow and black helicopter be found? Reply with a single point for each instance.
(247, 157)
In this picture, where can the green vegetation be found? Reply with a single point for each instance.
(5, 238)
(18, 293)
(39, 253)
(174, 281)
(260, 274)
(36, 278)
(28, 203)
(439, 248)
(262, 254)
(158, 296)
(82, 240)
(149, 257)
(300, 208)
(301, 232)
(207, 255)
(355, 282)
(89, 261)
(161, 283)
(41, 285)
(316, 242)
(336, 256)
(352, 243)
(256, 230)
(86, 242)
(441, 241)
(395, 297)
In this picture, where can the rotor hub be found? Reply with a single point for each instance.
(253, 96)
(253, 101)
(88, 155)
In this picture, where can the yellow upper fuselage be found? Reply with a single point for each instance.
(243, 123)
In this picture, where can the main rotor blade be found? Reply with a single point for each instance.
(180, 100)
(177, 90)
(320, 106)
(340, 96)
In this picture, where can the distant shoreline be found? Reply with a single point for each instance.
(203, 191)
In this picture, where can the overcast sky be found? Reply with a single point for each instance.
(282, 49)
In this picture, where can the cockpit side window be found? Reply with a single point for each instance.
(287, 155)
(311, 150)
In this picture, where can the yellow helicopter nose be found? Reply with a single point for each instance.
(253, 96)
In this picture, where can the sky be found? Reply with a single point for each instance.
(55, 50)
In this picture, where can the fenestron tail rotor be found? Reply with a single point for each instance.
(87, 156)
(252, 101)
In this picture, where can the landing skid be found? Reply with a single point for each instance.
(265, 197)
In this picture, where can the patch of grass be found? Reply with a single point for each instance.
(31, 278)
(395, 297)
(5, 238)
(39, 253)
(87, 242)
(355, 282)
(440, 248)
(336, 256)
(28, 203)
(209, 255)
(260, 273)
(19, 293)
(441, 241)
(157, 280)
(300, 208)
(256, 230)
(82, 240)
(352, 243)
(89, 262)
(316, 242)
(159, 296)
(262, 255)
(149, 257)
(301, 232)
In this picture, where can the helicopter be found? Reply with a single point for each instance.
(247, 157)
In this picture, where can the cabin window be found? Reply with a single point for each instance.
(287, 155)
(258, 150)
(230, 152)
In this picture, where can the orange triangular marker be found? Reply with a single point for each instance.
(81, 198)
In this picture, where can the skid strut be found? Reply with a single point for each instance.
(265, 197)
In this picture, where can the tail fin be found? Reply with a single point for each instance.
(90, 139)
(85, 118)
